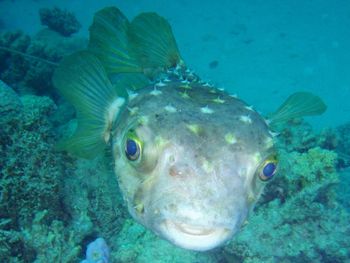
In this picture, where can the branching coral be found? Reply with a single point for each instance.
(59, 20)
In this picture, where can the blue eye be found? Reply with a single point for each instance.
(132, 149)
(268, 170)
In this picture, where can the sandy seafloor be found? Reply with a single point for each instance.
(265, 49)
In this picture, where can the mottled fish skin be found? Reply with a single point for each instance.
(196, 177)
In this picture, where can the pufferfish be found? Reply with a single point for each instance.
(191, 160)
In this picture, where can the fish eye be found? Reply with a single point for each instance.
(268, 169)
(132, 149)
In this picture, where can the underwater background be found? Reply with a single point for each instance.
(53, 205)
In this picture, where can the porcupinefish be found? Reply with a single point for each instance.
(191, 160)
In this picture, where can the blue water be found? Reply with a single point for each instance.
(265, 49)
(261, 50)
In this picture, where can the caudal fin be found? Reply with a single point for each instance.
(298, 105)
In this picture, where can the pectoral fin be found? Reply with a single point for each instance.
(298, 105)
(82, 80)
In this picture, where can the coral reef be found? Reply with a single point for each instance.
(343, 148)
(298, 219)
(30, 71)
(59, 20)
(38, 210)
(52, 204)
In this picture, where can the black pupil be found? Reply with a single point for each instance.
(269, 169)
(131, 147)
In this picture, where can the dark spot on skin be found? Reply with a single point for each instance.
(213, 64)
(159, 117)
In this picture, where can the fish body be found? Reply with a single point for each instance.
(191, 160)
(196, 179)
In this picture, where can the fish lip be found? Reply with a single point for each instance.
(191, 229)
(194, 237)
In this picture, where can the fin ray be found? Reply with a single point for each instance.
(298, 105)
(152, 42)
(109, 41)
(82, 80)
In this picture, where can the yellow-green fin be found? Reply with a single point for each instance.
(82, 80)
(298, 105)
(152, 42)
(146, 45)
(109, 41)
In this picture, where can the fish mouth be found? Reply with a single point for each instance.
(193, 230)
(194, 237)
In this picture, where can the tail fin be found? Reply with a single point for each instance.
(82, 80)
(146, 45)
(298, 105)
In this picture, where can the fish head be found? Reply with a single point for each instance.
(192, 168)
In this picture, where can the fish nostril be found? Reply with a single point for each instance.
(174, 171)
(181, 170)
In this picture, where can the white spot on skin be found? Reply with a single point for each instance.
(155, 92)
(273, 134)
(132, 95)
(206, 110)
(250, 108)
(133, 110)
(234, 96)
(207, 85)
(184, 95)
(185, 81)
(219, 100)
(170, 108)
(160, 84)
(245, 119)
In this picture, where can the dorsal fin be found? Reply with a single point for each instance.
(82, 80)
(298, 105)
(146, 45)
(152, 41)
(109, 41)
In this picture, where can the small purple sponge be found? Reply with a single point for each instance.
(97, 252)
